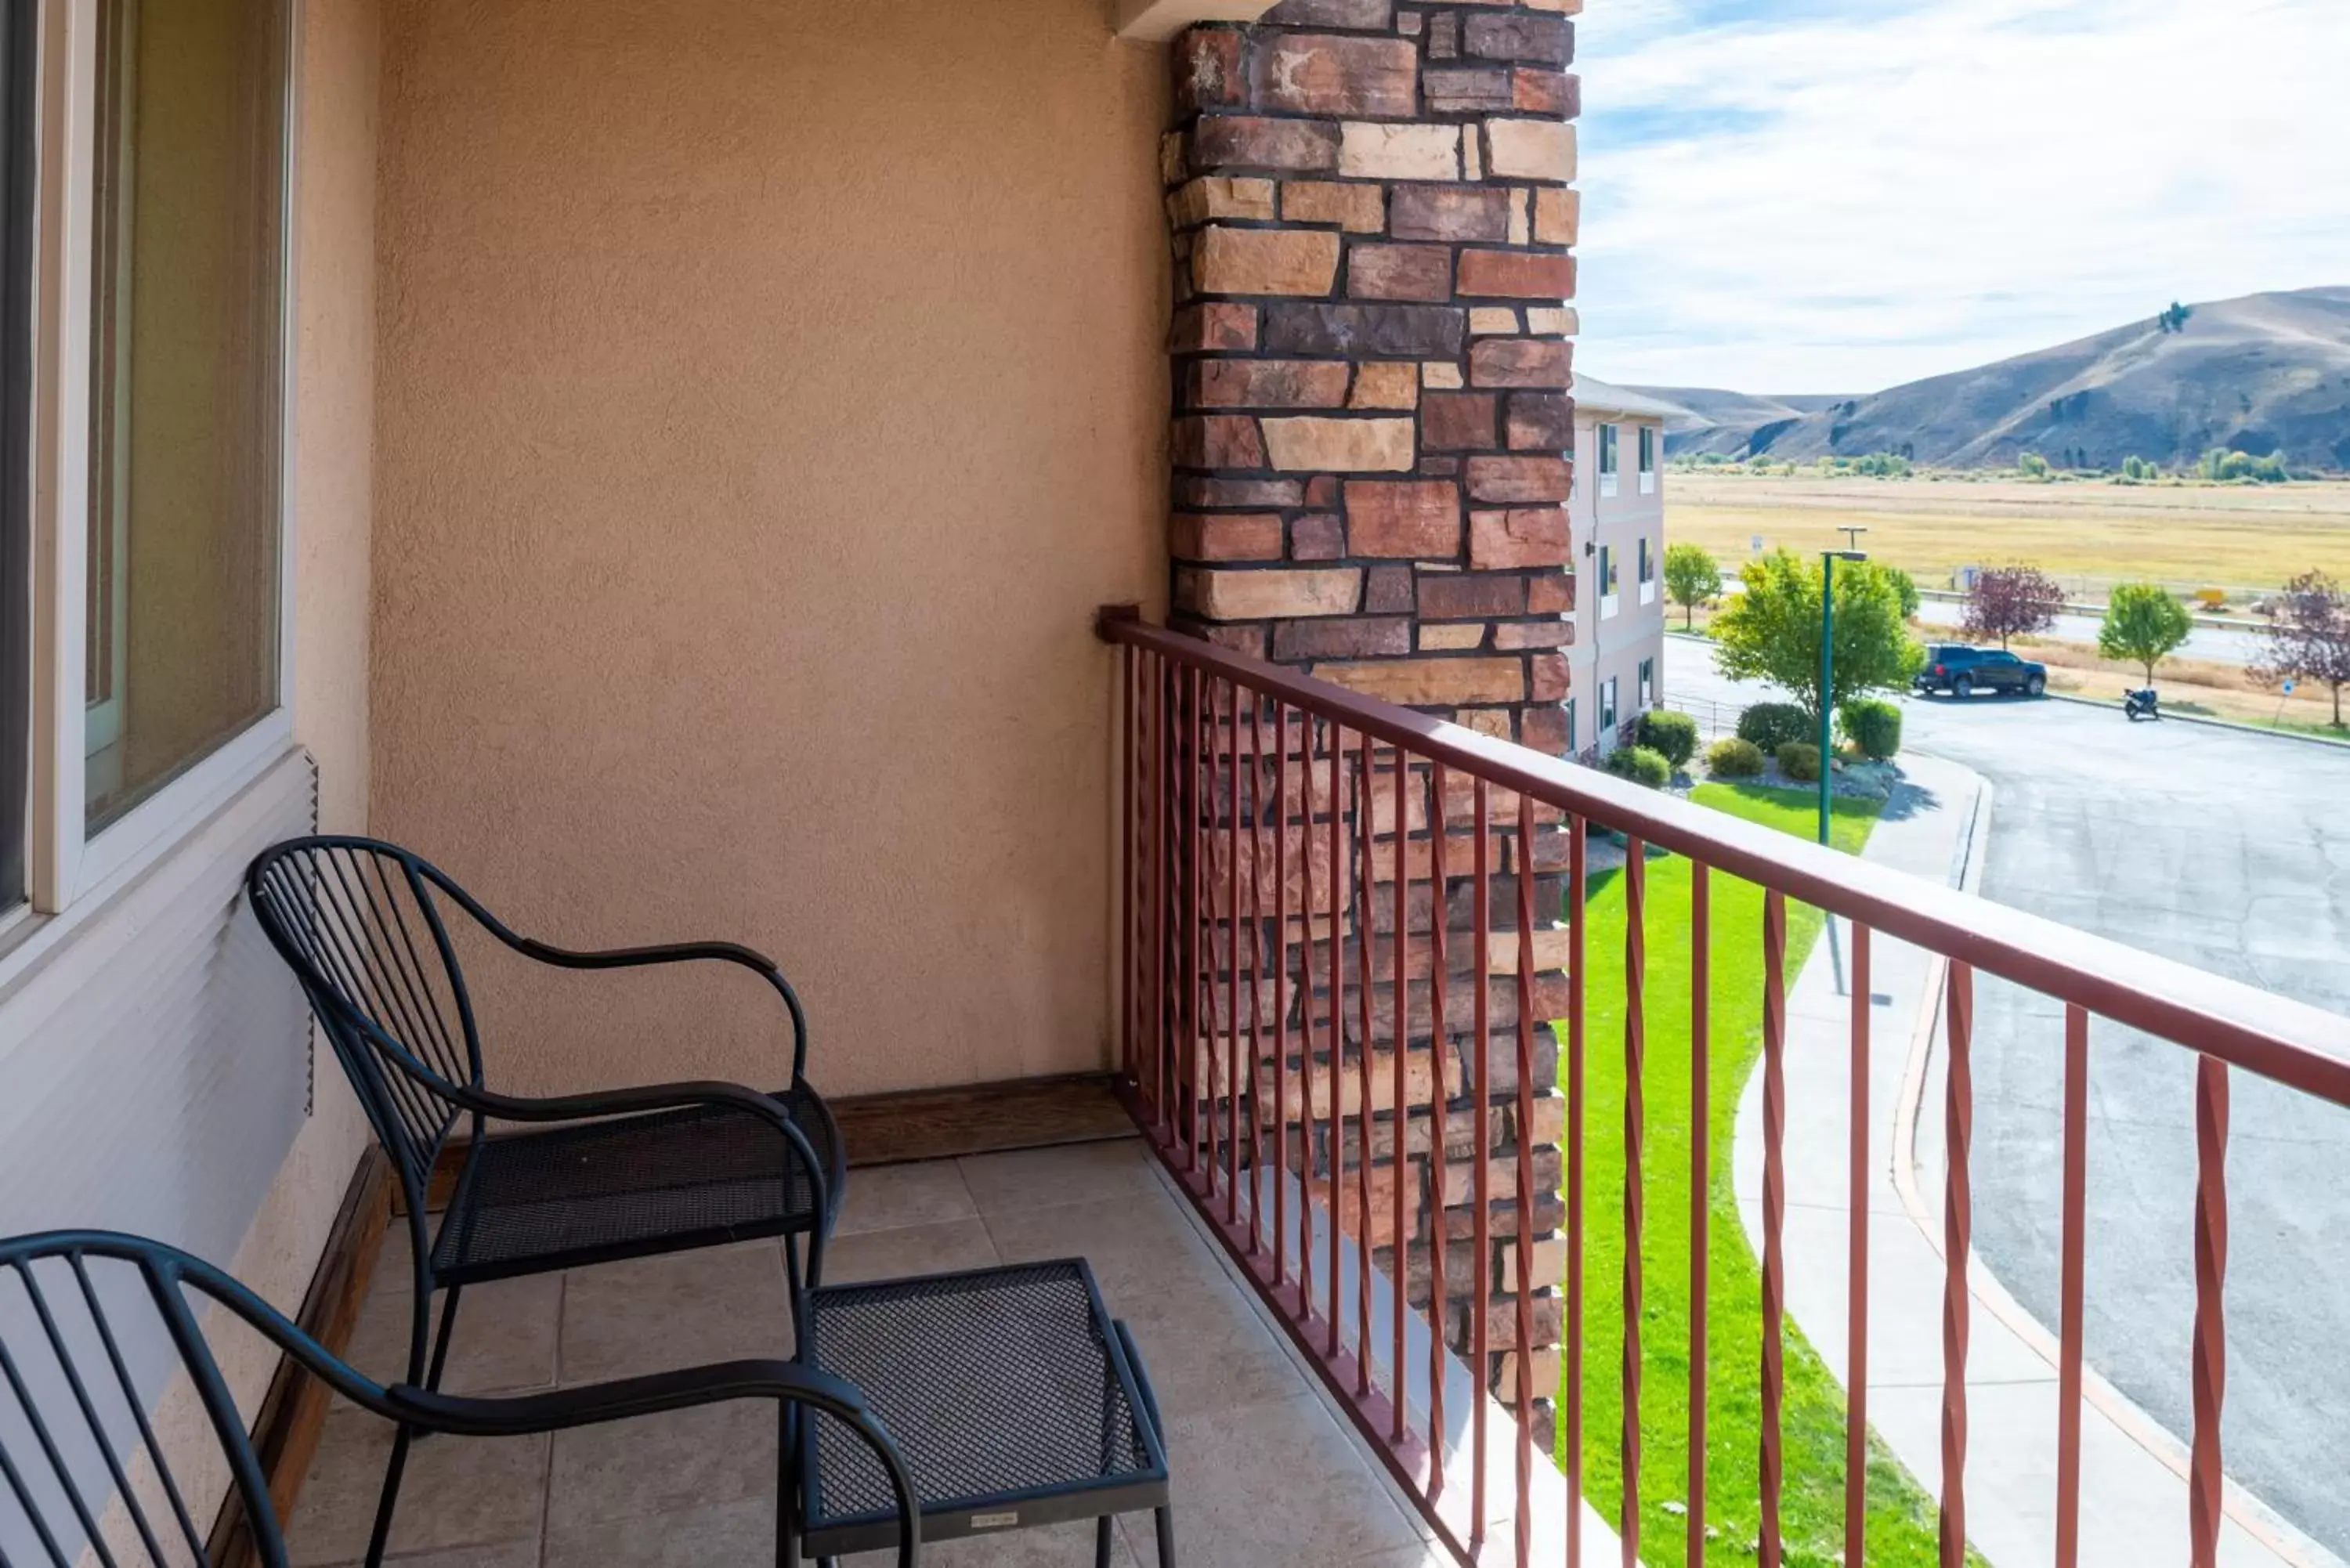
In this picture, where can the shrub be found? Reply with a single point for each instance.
(1641, 765)
(1735, 759)
(1771, 725)
(1671, 735)
(1800, 761)
(1875, 726)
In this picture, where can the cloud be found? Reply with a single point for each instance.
(1840, 195)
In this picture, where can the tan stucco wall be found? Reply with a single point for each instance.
(768, 395)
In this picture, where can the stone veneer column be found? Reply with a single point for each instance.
(1371, 218)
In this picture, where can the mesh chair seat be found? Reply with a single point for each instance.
(623, 1187)
(1005, 1389)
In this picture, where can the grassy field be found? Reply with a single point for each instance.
(1901, 1518)
(2088, 535)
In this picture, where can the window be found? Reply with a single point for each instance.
(1608, 459)
(180, 631)
(1647, 461)
(1570, 726)
(1648, 683)
(1648, 561)
(1607, 580)
(1608, 707)
(18, 85)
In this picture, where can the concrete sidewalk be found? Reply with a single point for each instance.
(2133, 1486)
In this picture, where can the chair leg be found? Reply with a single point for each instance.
(1104, 1528)
(787, 1506)
(381, 1534)
(1166, 1521)
(440, 1343)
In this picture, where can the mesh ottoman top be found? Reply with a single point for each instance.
(999, 1387)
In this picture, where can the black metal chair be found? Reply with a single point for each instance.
(84, 1354)
(628, 1173)
(1015, 1400)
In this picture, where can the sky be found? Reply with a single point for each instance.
(1842, 195)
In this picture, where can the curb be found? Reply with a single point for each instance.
(2241, 728)
(2255, 1518)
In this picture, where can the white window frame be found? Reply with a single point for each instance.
(1610, 458)
(64, 865)
(1609, 602)
(1647, 459)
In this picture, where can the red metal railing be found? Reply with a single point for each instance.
(1224, 903)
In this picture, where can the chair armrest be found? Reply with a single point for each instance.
(675, 952)
(513, 1416)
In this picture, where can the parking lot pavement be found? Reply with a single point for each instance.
(2230, 851)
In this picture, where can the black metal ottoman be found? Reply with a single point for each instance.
(1014, 1398)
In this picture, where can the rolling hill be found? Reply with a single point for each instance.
(2266, 373)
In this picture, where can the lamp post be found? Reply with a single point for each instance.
(1828, 558)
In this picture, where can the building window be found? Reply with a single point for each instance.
(1648, 561)
(1648, 683)
(1608, 460)
(180, 634)
(1608, 707)
(19, 87)
(1607, 580)
(1570, 726)
(1647, 460)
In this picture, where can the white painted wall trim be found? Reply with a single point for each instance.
(1155, 21)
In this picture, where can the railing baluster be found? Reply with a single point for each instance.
(1195, 773)
(1338, 1027)
(1855, 1411)
(1280, 994)
(1161, 900)
(2204, 1482)
(1401, 1163)
(1576, 870)
(1256, 974)
(1524, 1239)
(1363, 968)
(1957, 1233)
(1774, 1215)
(1482, 1086)
(1440, 1047)
(1204, 1055)
(1635, 964)
(1128, 1013)
(2069, 1291)
(1305, 1019)
(1700, 1190)
(1234, 926)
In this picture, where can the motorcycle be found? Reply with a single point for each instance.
(2140, 705)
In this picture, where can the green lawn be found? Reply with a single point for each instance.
(1901, 1518)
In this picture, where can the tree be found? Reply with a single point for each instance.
(1905, 590)
(2011, 601)
(2031, 465)
(2309, 636)
(1691, 577)
(2143, 623)
(1770, 631)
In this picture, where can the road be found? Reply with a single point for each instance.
(2216, 644)
(2224, 850)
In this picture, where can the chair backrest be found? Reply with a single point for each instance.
(94, 1327)
(360, 923)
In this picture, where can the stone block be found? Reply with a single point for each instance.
(1268, 383)
(1452, 636)
(1431, 682)
(1339, 445)
(1317, 536)
(1389, 591)
(1358, 208)
(1213, 327)
(1514, 478)
(1518, 537)
(1218, 440)
(1550, 593)
(1543, 1370)
(1225, 537)
(1551, 947)
(1541, 421)
(1552, 93)
(1406, 518)
(1268, 595)
(1264, 261)
(1455, 89)
(1370, 15)
(1256, 141)
(1558, 216)
(1192, 489)
(1212, 196)
(1516, 275)
(1530, 149)
(1492, 321)
(1385, 331)
(1207, 65)
(1322, 491)
(1385, 384)
(1545, 730)
(1552, 320)
(1371, 150)
(1521, 227)
(1443, 36)
(1546, 677)
(1444, 374)
(1418, 1085)
(1521, 362)
(1399, 272)
(1458, 422)
(1518, 635)
(1448, 213)
(1466, 595)
(1518, 36)
(1306, 73)
(1364, 637)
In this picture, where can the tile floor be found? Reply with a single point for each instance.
(1267, 1475)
